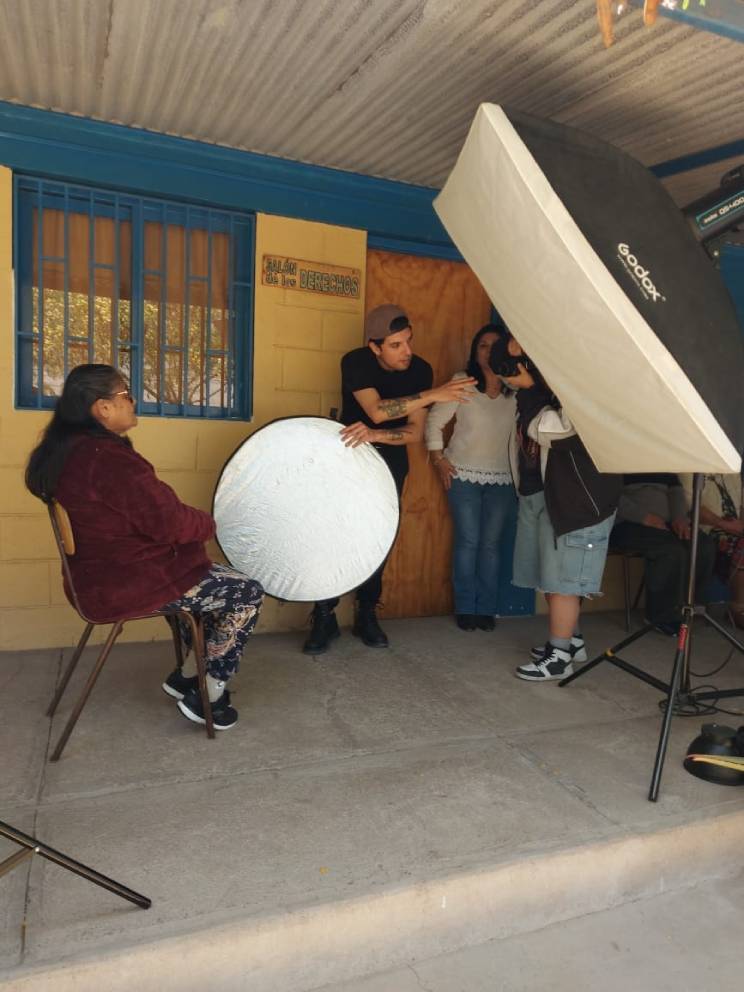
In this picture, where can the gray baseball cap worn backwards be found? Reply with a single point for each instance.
(377, 322)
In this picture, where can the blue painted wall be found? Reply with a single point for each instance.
(73, 148)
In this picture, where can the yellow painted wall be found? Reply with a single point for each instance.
(299, 339)
(302, 338)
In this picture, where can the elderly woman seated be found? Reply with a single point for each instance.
(138, 547)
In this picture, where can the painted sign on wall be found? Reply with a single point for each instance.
(310, 277)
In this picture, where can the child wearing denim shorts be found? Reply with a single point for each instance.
(566, 512)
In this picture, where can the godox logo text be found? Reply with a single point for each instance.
(641, 274)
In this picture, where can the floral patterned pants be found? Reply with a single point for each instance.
(229, 604)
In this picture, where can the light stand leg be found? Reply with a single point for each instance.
(34, 846)
(678, 689)
(611, 655)
(666, 723)
(733, 641)
(681, 669)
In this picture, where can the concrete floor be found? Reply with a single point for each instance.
(358, 794)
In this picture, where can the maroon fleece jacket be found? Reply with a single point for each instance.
(137, 546)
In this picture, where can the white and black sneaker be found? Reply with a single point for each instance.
(223, 714)
(178, 685)
(577, 650)
(553, 664)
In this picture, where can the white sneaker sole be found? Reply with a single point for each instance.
(195, 718)
(578, 656)
(173, 693)
(528, 677)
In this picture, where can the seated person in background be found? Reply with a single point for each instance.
(721, 518)
(474, 470)
(138, 548)
(652, 520)
(566, 512)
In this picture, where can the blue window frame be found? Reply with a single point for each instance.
(160, 289)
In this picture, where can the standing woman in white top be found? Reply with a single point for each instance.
(474, 470)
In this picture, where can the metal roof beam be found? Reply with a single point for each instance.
(724, 17)
(696, 160)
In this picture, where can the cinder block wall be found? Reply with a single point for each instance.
(303, 336)
(299, 338)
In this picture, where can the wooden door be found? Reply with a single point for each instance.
(446, 305)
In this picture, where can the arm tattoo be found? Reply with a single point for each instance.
(396, 435)
(397, 408)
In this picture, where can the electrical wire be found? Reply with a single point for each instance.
(694, 707)
(691, 706)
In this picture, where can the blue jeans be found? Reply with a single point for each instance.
(480, 513)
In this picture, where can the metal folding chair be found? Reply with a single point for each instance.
(65, 541)
(629, 604)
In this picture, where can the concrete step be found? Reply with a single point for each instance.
(318, 945)
(676, 942)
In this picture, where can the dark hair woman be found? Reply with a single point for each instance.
(478, 366)
(138, 548)
(87, 387)
(474, 470)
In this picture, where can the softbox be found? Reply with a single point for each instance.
(595, 271)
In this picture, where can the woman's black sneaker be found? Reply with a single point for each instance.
(465, 621)
(178, 685)
(223, 714)
(485, 622)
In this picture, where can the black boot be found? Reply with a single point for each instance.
(367, 627)
(324, 630)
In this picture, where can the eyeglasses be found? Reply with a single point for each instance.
(126, 393)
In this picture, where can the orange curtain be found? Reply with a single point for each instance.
(104, 237)
(78, 252)
(188, 302)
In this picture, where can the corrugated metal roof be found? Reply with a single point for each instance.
(383, 87)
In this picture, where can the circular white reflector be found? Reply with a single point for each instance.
(303, 514)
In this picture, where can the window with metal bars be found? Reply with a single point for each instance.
(162, 290)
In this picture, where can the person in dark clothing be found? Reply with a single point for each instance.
(385, 392)
(653, 520)
(138, 548)
(566, 512)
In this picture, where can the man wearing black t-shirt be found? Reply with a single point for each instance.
(383, 383)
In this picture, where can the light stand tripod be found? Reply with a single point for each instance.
(33, 846)
(678, 691)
